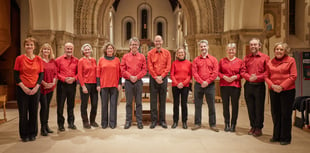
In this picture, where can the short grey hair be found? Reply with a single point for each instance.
(231, 45)
(135, 39)
(259, 43)
(203, 41)
(83, 47)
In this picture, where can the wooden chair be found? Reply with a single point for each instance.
(3, 99)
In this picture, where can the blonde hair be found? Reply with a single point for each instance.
(177, 50)
(284, 45)
(83, 47)
(47, 45)
(105, 47)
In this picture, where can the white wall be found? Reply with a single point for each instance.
(55, 15)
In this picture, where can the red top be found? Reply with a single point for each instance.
(158, 63)
(281, 72)
(29, 69)
(50, 73)
(205, 69)
(181, 71)
(230, 68)
(87, 70)
(66, 67)
(133, 65)
(109, 72)
(255, 64)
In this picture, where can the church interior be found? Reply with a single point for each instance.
(181, 23)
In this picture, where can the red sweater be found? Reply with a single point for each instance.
(66, 67)
(133, 65)
(181, 71)
(255, 65)
(109, 72)
(230, 68)
(158, 63)
(281, 72)
(87, 70)
(205, 69)
(50, 73)
(29, 70)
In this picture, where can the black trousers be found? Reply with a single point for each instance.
(28, 110)
(176, 102)
(281, 111)
(209, 92)
(230, 94)
(133, 90)
(158, 91)
(106, 94)
(45, 100)
(93, 94)
(255, 99)
(65, 91)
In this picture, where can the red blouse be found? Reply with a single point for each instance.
(87, 70)
(50, 73)
(181, 71)
(230, 68)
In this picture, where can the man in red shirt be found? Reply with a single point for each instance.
(253, 71)
(159, 64)
(133, 67)
(205, 71)
(66, 86)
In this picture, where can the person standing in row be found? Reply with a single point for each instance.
(280, 77)
(133, 67)
(253, 71)
(181, 75)
(230, 85)
(87, 77)
(47, 86)
(109, 84)
(205, 71)
(66, 86)
(159, 64)
(28, 74)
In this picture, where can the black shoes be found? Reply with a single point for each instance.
(284, 143)
(184, 125)
(32, 138)
(127, 125)
(227, 128)
(273, 140)
(104, 126)
(44, 131)
(233, 128)
(25, 139)
(153, 125)
(163, 124)
(214, 128)
(72, 126)
(174, 125)
(49, 130)
(140, 125)
(61, 128)
(196, 127)
(86, 125)
(94, 124)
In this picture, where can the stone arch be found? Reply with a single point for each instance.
(133, 29)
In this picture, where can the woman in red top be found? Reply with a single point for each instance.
(181, 75)
(87, 77)
(230, 85)
(109, 84)
(280, 76)
(47, 86)
(28, 74)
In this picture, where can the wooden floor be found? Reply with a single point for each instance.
(149, 140)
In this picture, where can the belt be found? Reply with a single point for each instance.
(255, 83)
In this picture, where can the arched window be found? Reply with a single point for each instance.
(144, 24)
(160, 28)
(128, 30)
